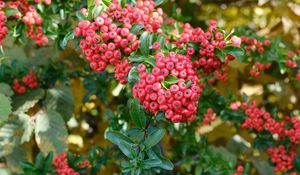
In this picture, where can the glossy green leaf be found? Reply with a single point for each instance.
(151, 163)
(123, 3)
(97, 11)
(137, 58)
(69, 36)
(135, 134)
(155, 153)
(116, 137)
(136, 28)
(219, 53)
(80, 16)
(106, 2)
(133, 75)
(127, 149)
(10, 12)
(154, 137)
(169, 80)
(158, 2)
(145, 43)
(235, 51)
(136, 113)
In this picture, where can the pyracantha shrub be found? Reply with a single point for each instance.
(62, 166)
(29, 81)
(179, 100)
(169, 67)
(28, 14)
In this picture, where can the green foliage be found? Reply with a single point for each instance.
(235, 51)
(50, 132)
(5, 108)
(136, 113)
(42, 165)
(60, 99)
(145, 43)
(23, 102)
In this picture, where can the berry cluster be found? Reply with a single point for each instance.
(62, 167)
(260, 120)
(122, 69)
(142, 13)
(180, 99)
(208, 40)
(28, 81)
(291, 64)
(31, 19)
(209, 117)
(298, 77)
(253, 45)
(3, 18)
(258, 67)
(294, 132)
(282, 158)
(239, 170)
(104, 42)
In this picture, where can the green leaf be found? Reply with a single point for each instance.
(90, 4)
(127, 149)
(155, 153)
(151, 163)
(145, 43)
(133, 75)
(161, 40)
(48, 160)
(169, 80)
(106, 2)
(69, 36)
(80, 16)
(16, 157)
(10, 12)
(137, 58)
(97, 11)
(247, 169)
(27, 126)
(22, 103)
(50, 132)
(135, 134)
(158, 2)
(136, 113)
(116, 137)
(60, 99)
(235, 51)
(154, 137)
(5, 107)
(194, 45)
(6, 90)
(219, 53)
(151, 60)
(123, 3)
(39, 161)
(136, 28)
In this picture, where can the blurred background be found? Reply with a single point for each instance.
(269, 18)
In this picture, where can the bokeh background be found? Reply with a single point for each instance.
(270, 18)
